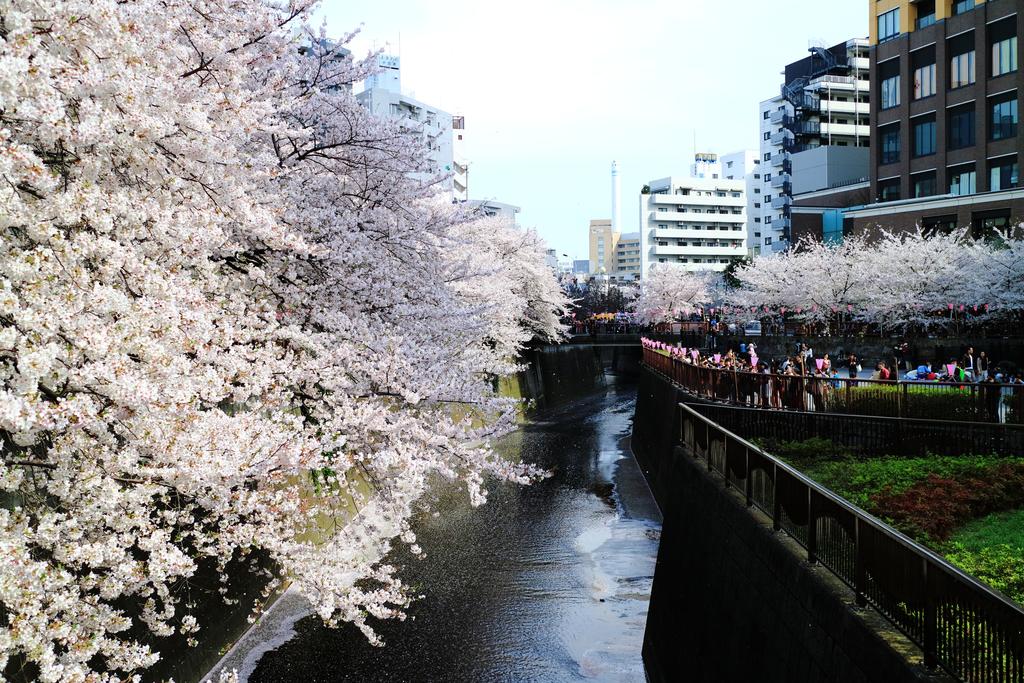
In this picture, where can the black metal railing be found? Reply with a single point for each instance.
(870, 435)
(952, 401)
(968, 629)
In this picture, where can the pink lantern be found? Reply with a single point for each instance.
(753, 360)
(849, 308)
(961, 308)
(765, 309)
(682, 351)
(799, 310)
(949, 306)
(695, 353)
(717, 357)
(782, 310)
(820, 362)
(986, 307)
(950, 368)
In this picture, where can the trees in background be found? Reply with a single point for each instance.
(670, 291)
(232, 319)
(906, 281)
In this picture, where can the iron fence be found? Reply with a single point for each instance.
(968, 629)
(962, 402)
(870, 435)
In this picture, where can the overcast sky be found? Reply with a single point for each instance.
(554, 90)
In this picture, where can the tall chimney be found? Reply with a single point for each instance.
(616, 199)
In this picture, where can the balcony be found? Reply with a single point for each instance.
(781, 137)
(780, 180)
(806, 128)
(699, 251)
(781, 201)
(701, 200)
(847, 129)
(779, 159)
(837, 107)
(778, 116)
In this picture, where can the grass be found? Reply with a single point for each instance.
(992, 549)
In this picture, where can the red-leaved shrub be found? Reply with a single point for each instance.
(935, 506)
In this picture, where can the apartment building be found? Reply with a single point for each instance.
(382, 96)
(699, 223)
(946, 136)
(745, 165)
(824, 102)
(627, 257)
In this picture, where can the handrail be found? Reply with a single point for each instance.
(970, 402)
(962, 625)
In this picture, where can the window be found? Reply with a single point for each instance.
(962, 179)
(767, 219)
(961, 126)
(767, 135)
(764, 115)
(767, 177)
(889, 190)
(924, 81)
(961, 6)
(889, 143)
(924, 135)
(767, 240)
(889, 25)
(924, 184)
(767, 156)
(925, 13)
(961, 65)
(1004, 56)
(757, 205)
(985, 224)
(757, 220)
(1002, 173)
(1003, 121)
(757, 190)
(767, 197)
(933, 225)
(889, 88)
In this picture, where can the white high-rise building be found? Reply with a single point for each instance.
(699, 223)
(745, 165)
(382, 96)
(824, 102)
(460, 164)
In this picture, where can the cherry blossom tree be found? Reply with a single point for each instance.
(899, 280)
(234, 321)
(670, 291)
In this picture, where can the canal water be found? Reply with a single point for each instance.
(543, 583)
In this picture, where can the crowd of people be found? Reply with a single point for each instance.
(802, 380)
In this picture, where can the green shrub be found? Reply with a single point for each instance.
(916, 401)
(804, 453)
(1000, 566)
(859, 480)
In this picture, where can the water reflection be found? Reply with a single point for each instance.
(544, 583)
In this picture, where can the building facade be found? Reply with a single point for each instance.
(602, 240)
(382, 96)
(745, 165)
(699, 223)
(627, 257)
(946, 126)
(825, 101)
